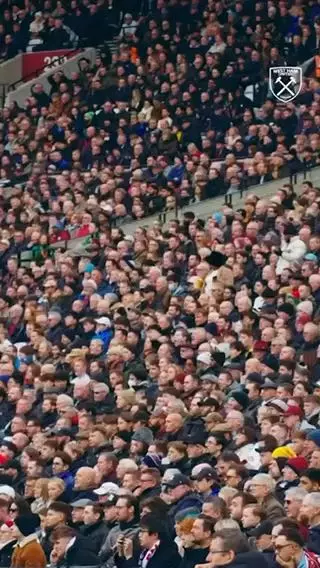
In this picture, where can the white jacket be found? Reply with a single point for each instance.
(292, 251)
(249, 457)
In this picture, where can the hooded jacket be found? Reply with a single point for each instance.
(189, 500)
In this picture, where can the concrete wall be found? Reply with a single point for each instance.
(11, 70)
(204, 209)
(23, 91)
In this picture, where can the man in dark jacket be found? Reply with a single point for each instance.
(155, 548)
(84, 484)
(94, 528)
(181, 495)
(55, 330)
(69, 549)
(230, 548)
(202, 531)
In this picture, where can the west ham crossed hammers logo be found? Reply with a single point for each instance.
(285, 82)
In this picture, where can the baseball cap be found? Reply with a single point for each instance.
(209, 377)
(204, 358)
(196, 438)
(106, 488)
(278, 404)
(8, 491)
(205, 473)
(110, 501)
(177, 480)
(81, 503)
(269, 384)
(293, 410)
(260, 346)
(103, 321)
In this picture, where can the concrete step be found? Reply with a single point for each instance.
(204, 209)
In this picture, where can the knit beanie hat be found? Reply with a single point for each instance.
(152, 460)
(143, 435)
(27, 524)
(124, 435)
(283, 452)
(298, 464)
(240, 397)
(314, 436)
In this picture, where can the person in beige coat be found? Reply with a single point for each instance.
(219, 272)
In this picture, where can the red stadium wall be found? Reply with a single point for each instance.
(44, 61)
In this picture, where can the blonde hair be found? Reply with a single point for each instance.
(59, 482)
(129, 396)
(43, 482)
(226, 524)
(227, 493)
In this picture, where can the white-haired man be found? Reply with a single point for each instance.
(310, 513)
(262, 487)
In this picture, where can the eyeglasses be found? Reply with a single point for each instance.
(281, 546)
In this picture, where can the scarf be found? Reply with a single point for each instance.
(146, 556)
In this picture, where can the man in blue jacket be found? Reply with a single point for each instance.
(181, 495)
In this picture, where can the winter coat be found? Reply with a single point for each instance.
(224, 275)
(166, 555)
(96, 534)
(292, 251)
(84, 494)
(189, 500)
(78, 554)
(193, 556)
(29, 553)
(130, 530)
(273, 509)
(247, 454)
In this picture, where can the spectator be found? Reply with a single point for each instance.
(28, 551)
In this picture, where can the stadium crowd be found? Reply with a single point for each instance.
(178, 114)
(160, 392)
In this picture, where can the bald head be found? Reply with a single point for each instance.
(174, 422)
(85, 478)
